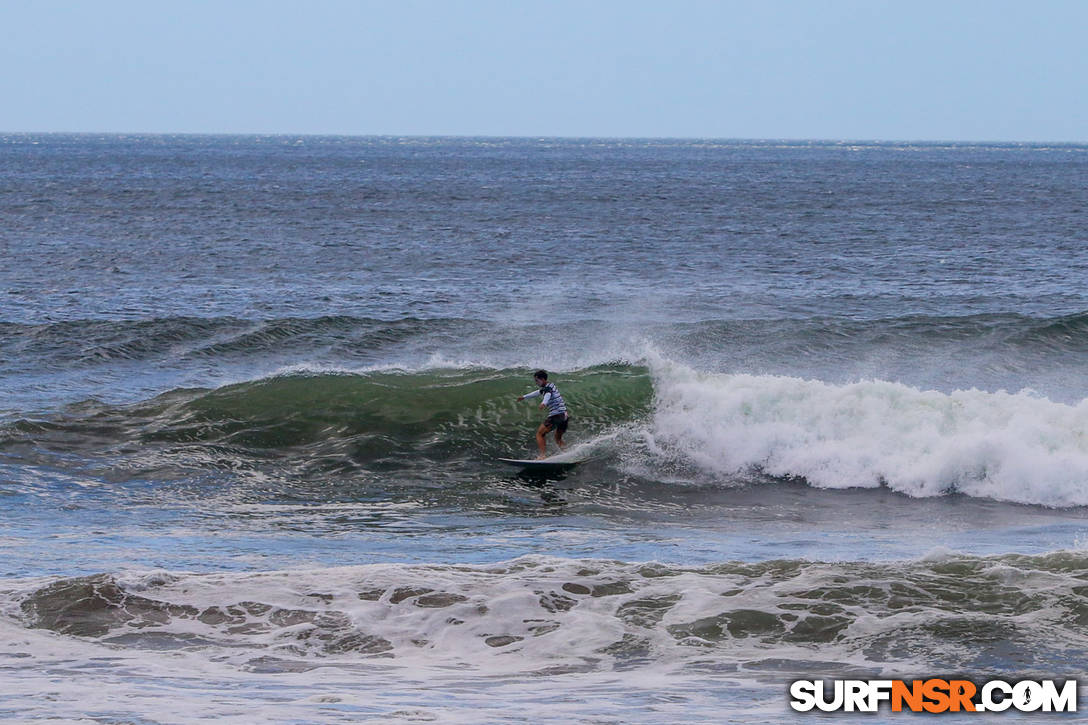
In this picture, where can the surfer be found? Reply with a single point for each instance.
(557, 419)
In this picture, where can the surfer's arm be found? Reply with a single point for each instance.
(530, 395)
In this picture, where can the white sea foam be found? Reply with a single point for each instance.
(1016, 447)
(643, 642)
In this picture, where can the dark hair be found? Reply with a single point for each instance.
(542, 374)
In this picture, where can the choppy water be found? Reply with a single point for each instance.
(834, 398)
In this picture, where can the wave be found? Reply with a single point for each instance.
(330, 421)
(662, 420)
(945, 612)
(94, 342)
(1010, 447)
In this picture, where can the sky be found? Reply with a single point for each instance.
(911, 70)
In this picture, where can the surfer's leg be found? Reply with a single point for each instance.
(541, 443)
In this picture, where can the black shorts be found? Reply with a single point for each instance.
(557, 422)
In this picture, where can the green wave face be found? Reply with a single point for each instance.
(377, 419)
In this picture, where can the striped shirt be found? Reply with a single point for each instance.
(552, 399)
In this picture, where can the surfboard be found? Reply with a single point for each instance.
(541, 465)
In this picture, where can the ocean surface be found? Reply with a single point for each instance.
(833, 399)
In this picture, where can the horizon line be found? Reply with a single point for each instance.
(561, 137)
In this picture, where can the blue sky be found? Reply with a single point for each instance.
(967, 70)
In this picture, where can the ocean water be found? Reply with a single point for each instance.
(833, 399)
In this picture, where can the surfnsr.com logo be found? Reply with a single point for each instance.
(933, 695)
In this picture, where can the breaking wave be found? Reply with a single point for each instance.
(660, 419)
